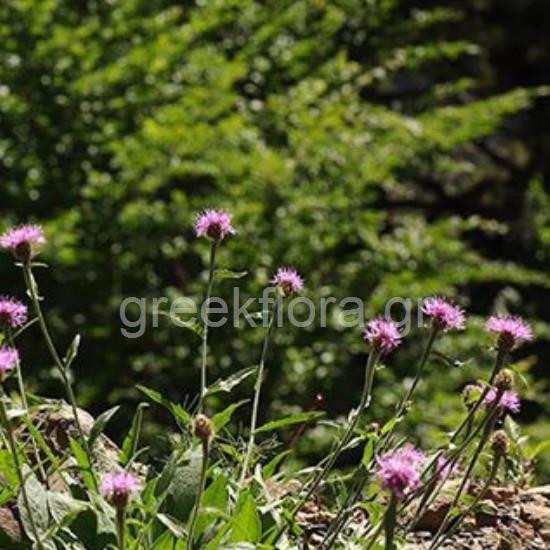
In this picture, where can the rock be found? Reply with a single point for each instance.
(543, 490)
(55, 420)
(539, 517)
(9, 525)
(499, 494)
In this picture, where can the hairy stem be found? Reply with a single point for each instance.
(65, 376)
(204, 346)
(452, 460)
(4, 419)
(363, 405)
(389, 523)
(257, 393)
(403, 406)
(481, 445)
(23, 394)
(497, 367)
(458, 520)
(348, 505)
(202, 484)
(121, 527)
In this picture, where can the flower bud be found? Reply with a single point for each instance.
(504, 380)
(203, 428)
(500, 443)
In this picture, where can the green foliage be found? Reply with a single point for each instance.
(367, 143)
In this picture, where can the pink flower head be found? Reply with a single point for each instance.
(24, 241)
(399, 471)
(511, 331)
(214, 224)
(288, 279)
(382, 335)
(445, 467)
(12, 312)
(118, 487)
(444, 314)
(9, 357)
(509, 400)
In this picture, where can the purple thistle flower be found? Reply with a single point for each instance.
(24, 241)
(9, 357)
(118, 487)
(399, 471)
(511, 331)
(382, 335)
(214, 224)
(288, 279)
(12, 312)
(509, 400)
(444, 314)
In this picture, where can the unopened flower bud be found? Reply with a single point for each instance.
(500, 443)
(504, 380)
(373, 427)
(203, 428)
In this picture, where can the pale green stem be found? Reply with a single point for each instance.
(376, 534)
(452, 460)
(23, 394)
(342, 514)
(458, 520)
(466, 423)
(257, 393)
(363, 405)
(497, 367)
(481, 445)
(121, 527)
(433, 334)
(389, 522)
(202, 485)
(4, 418)
(33, 292)
(204, 346)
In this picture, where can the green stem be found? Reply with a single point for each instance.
(33, 292)
(121, 527)
(257, 392)
(458, 520)
(363, 405)
(4, 419)
(376, 534)
(497, 367)
(466, 423)
(204, 346)
(202, 484)
(23, 394)
(453, 459)
(389, 523)
(481, 445)
(342, 514)
(433, 334)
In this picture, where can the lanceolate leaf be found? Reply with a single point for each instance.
(290, 420)
(99, 425)
(228, 274)
(221, 419)
(131, 441)
(227, 384)
(178, 412)
(246, 522)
